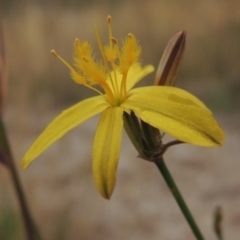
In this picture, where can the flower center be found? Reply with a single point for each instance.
(111, 72)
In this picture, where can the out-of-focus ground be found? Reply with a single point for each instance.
(59, 184)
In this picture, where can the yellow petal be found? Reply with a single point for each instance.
(67, 120)
(135, 74)
(106, 149)
(177, 113)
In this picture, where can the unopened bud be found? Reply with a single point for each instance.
(170, 62)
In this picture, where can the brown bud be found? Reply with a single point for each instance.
(170, 62)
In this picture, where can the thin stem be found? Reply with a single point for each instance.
(178, 197)
(31, 231)
(150, 151)
(218, 217)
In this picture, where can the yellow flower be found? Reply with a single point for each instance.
(170, 109)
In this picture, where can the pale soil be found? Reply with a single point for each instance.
(66, 205)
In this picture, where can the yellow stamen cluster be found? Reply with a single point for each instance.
(131, 51)
(93, 71)
(115, 61)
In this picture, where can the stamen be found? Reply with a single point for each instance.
(76, 42)
(54, 53)
(85, 59)
(77, 77)
(109, 19)
(103, 55)
(115, 59)
(123, 86)
(110, 30)
(109, 94)
(101, 48)
(130, 35)
(114, 40)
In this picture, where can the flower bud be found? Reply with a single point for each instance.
(170, 62)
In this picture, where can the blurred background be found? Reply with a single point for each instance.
(59, 184)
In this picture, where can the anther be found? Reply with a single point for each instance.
(114, 40)
(109, 19)
(54, 53)
(76, 42)
(130, 35)
(85, 59)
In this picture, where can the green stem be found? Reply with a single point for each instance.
(150, 151)
(31, 231)
(218, 217)
(178, 197)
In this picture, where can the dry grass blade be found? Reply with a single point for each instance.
(3, 72)
(3, 95)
